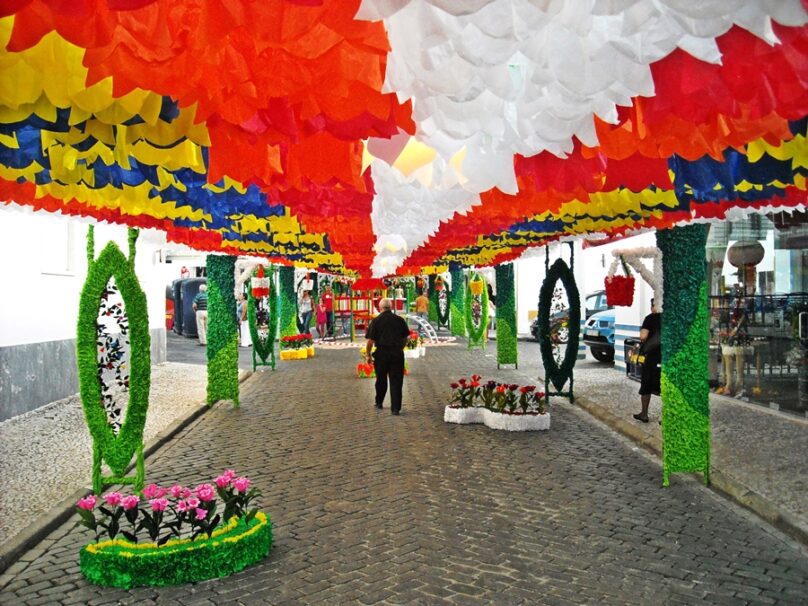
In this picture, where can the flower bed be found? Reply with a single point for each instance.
(174, 535)
(297, 347)
(497, 405)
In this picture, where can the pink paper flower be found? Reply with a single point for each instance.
(229, 473)
(130, 502)
(176, 491)
(200, 514)
(152, 491)
(113, 498)
(182, 506)
(223, 481)
(241, 484)
(205, 492)
(159, 504)
(186, 492)
(87, 502)
(193, 502)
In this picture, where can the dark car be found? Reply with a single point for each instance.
(593, 304)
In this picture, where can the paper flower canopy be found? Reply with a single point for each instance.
(245, 126)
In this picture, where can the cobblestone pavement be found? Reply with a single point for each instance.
(372, 508)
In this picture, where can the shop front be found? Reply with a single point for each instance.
(758, 279)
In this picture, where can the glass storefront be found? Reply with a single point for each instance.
(758, 278)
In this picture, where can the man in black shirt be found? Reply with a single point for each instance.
(388, 332)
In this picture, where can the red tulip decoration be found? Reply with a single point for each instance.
(620, 289)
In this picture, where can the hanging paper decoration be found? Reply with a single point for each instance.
(619, 289)
(259, 284)
(532, 122)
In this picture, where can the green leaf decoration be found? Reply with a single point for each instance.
(685, 351)
(117, 451)
(506, 314)
(557, 374)
(457, 301)
(476, 333)
(264, 347)
(287, 302)
(222, 330)
(433, 301)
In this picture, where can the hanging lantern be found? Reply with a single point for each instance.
(476, 285)
(438, 283)
(619, 289)
(419, 282)
(259, 284)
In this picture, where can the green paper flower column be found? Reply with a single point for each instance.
(685, 349)
(433, 301)
(222, 330)
(288, 302)
(457, 303)
(506, 315)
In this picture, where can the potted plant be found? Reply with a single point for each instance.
(170, 536)
(497, 405)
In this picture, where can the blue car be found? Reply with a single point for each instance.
(599, 335)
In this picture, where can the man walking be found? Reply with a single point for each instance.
(200, 306)
(388, 332)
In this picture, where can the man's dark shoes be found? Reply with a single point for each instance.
(378, 406)
(639, 417)
(395, 412)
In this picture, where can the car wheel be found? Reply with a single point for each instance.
(602, 355)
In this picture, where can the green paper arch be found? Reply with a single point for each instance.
(118, 450)
(557, 374)
(476, 334)
(264, 349)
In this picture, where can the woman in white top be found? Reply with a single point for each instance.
(305, 308)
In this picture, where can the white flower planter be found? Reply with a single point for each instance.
(411, 353)
(496, 420)
(422, 351)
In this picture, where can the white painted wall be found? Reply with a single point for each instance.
(43, 265)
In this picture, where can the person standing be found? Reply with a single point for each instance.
(328, 303)
(422, 310)
(200, 306)
(651, 348)
(305, 307)
(388, 332)
(321, 319)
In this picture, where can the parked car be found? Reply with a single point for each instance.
(594, 303)
(599, 335)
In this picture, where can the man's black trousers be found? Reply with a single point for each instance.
(389, 363)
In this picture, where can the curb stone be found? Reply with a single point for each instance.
(13, 549)
(720, 482)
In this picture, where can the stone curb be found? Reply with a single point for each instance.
(13, 549)
(720, 481)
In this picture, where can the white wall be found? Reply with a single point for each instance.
(43, 265)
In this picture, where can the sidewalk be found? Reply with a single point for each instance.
(372, 508)
(759, 456)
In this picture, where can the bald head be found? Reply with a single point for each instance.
(385, 305)
(202, 288)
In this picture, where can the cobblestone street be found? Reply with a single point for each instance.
(372, 508)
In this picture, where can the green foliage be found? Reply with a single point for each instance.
(506, 314)
(477, 334)
(288, 302)
(685, 351)
(126, 565)
(118, 450)
(222, 330)
(264, 348)
(457, 300)
(433, 301)
(557, 374)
